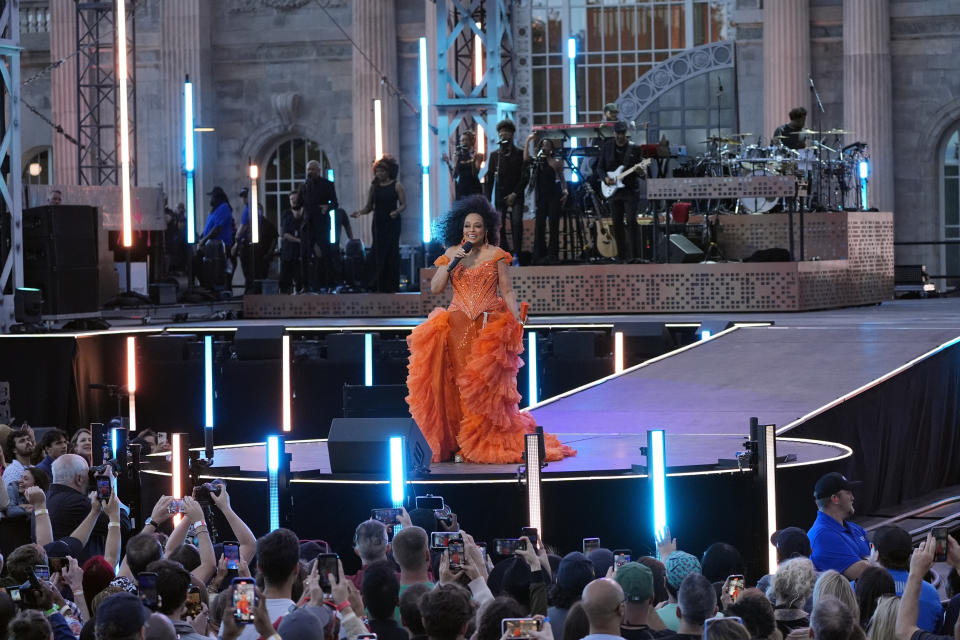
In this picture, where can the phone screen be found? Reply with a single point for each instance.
(42, 571)
(194, 606)
(231, 551)
(620, 558)
(940, 538)
(57, 564)
(15, 594)
(519, 627)
(244, 600)
(434, 503)
(735, 586)
(442, 539)
(328, 563)
(508, 546)
(386, 516)
(147, 589)
(589, 544)
(104, 490)
(455, 553)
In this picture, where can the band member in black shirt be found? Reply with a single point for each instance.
(506, 176)
(466, 167)
(620, 152)
(789, 134)
(551, 195)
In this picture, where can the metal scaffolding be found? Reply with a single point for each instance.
(461, 102)
(98, 154)
(11, 186)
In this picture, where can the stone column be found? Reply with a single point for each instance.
(867, 102)
(184, 43)
(374, 29)
(786, 61)
(63, 90)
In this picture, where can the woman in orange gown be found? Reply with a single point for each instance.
(464, 359)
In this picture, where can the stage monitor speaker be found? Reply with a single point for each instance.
(361, 445)
(377, 401)
(254, 342)
(65, 291)
(681, 250)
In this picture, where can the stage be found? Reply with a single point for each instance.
(848, 262)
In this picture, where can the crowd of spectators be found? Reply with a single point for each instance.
(87, 574)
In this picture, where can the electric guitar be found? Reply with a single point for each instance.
(618, 174)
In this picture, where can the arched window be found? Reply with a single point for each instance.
(285, 172)
(36, 168)
(950, 179)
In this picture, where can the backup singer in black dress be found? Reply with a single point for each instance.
(466, 169)
(387, 199)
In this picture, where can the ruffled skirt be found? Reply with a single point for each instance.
(462, 379)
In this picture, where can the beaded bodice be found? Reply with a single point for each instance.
(475, 288)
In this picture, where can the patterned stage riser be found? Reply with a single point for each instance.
(850, 262)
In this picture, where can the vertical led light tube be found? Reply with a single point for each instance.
(330, 175)
(287, 414)
(532, 457)
(572, 102)
(208, 382)
(657, 473)
(333, 214)
(770, 463)
(377, 129)
(424, 145)
(478, 70)
(132, 380)
(274, 444)
(397, 480)
(176, 460)
(189, 158)
(863, 170)
(618, 352)
(120, 20)
(368, 359)
(254, 204)
(113, 442)
(532, 382)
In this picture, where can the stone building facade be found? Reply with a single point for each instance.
(271, 71)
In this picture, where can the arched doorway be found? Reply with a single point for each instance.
(286, 170)
(950, 201)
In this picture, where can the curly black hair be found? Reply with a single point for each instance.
(448, 228)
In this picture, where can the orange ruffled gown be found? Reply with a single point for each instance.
(463, 374)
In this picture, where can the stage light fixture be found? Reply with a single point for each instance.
(114, 441)
(618, 352)
(132, 381)
(120, 20)
(330, 175)
(533, 459)
(274, 444)
(177, 455)
(657, 477)
(572, 102)
(532, 382)
(377, 129)
(189, 158)
(764, 438)
(368, 359)
(397, 479)
(208, 382)
(333, 225)
(424, 145)
(286, 424)
(254, 205)
(863, 170)
(705, 334)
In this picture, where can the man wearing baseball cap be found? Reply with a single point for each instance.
(121, 616)
(837, 543)
(894, 547)
(636, 580)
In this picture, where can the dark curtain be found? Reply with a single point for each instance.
(40, 372)
(903, 432)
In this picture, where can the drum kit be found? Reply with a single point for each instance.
(830, 171)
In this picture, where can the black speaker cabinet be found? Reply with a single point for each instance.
(255, 342)
(681, 249)
(362, 445)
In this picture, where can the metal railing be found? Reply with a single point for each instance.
(34, 16)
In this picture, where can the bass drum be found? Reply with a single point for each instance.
(758, 205)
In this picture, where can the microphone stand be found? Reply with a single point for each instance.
(820, 112)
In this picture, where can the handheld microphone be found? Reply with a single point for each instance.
(467, 246)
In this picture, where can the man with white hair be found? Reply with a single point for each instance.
(69, 504)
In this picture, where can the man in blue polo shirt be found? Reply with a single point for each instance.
(836, 543)
(894, 546)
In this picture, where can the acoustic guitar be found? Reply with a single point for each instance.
(605, 242)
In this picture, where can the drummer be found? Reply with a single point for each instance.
(789, 134)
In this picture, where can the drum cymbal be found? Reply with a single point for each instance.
(807, 131)
(780, 137)
(839, 132)
(739, 135)
(719, 139)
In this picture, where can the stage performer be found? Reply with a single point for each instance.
(386, 199)
(551, 195)
(464, 359)
(505, 174)
(788, 134)
(466, 171)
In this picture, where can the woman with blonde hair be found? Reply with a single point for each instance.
(883, 624)
(832, 584)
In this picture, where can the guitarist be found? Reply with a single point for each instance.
(620, 152)
(505, 174)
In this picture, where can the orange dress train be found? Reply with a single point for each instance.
(462, 374)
